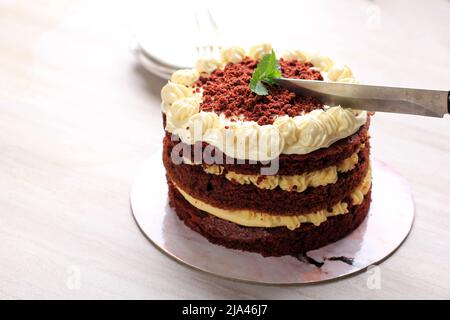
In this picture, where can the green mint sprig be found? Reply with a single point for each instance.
(266, 72)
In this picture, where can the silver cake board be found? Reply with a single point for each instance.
(387, 225)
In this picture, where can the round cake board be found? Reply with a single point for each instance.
(387, 225)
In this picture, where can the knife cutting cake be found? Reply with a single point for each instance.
(253, 166)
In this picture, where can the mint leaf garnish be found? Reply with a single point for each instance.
(266, 72)
(259, 89)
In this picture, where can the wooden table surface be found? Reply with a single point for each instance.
(78, 116)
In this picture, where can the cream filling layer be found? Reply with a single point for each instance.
(297, 183)
(250, 218)
(239, 139)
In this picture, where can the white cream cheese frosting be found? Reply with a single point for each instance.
(321, 62)
(297, 183)
(301, 56)
(204, 65)
(246, 139)
(186, 77)
(256, 52)
(233, 54)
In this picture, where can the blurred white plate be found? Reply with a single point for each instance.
(165, 36)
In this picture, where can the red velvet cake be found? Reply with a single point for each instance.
(265, 171)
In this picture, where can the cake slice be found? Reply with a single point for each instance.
(278, 174)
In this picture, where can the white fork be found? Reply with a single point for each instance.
(207, 33)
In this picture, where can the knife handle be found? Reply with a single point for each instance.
(448, 103)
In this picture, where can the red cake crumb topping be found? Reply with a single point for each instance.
(227, 91)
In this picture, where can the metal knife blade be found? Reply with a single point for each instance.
(423, 102)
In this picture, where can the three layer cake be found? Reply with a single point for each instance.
(278, 174)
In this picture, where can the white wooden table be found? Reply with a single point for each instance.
(78, 117)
